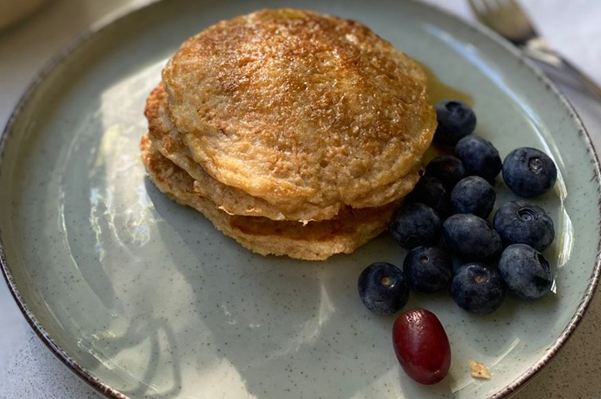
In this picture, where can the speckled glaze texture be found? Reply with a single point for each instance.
(145, 299)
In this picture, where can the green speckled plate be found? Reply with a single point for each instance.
(145, 299)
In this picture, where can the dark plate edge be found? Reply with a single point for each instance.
(110, 19)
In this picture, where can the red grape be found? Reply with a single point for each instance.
(422, 346)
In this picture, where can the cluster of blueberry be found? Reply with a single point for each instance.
(446, 216)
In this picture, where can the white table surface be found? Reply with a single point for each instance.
(29, 370)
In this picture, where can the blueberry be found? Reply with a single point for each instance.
(428, 269)
(479, 157)
(525, 271)
(473, 195)
(432, 192)
(478, 288)
(471, 238)
(447, 168)
(382, 288)
(521, 222)
(416, 224)
(455, 120)
(529, 172)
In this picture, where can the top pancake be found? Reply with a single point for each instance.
(295, 107)
(230, 199)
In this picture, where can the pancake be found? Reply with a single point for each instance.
(313, 241)
(301, 110)
(230, 199)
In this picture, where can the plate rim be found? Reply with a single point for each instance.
(115, 17)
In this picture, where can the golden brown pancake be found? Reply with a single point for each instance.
(313, 241)
(301, 110)
(230, 199)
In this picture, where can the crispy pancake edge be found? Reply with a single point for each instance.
(315, 241)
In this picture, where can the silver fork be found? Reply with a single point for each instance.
(508, 19)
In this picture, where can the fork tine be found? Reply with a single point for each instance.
(481, 8)
(516, 8)
(506, 17)
(474, 5)
(494, 5)
(513, 4)
(522, 18)
(509, 6)
(477, 6)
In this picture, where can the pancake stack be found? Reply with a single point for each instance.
(295, 133)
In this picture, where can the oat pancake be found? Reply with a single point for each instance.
(299, 108)
(314, 241)
(230, 199)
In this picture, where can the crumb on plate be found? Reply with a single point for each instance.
(479, 370)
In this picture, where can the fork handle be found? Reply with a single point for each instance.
(553, 64)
